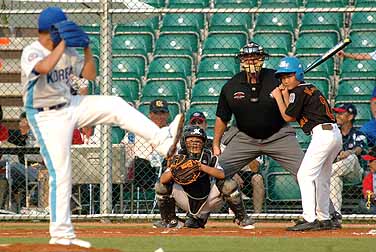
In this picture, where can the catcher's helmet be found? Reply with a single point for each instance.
(193, 131)
(50, 16)
(290, 65)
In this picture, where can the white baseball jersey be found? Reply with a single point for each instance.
(51, 89)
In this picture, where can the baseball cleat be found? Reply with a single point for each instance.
(69, 241)
(174, 223)
(246, 223)
(311, 226)
(170, 136)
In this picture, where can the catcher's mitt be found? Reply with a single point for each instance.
(184, 171)
(71, 33)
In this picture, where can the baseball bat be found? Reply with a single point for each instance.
(342, 44)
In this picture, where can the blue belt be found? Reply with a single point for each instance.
(58, 106)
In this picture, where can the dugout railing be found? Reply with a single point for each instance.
(179, 51)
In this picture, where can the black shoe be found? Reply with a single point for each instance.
(246, 223)
(325, 225)
(299, 221)
(193, 222)
(305, 226)
(336, 220)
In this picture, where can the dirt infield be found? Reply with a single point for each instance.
(91, 230)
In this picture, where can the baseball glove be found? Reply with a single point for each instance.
(184, 171)
(71, 33)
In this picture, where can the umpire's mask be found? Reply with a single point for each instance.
(252, 57)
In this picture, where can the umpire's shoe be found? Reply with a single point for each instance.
(303, 225)
(169, 136)
(174, 223)
(193, 222)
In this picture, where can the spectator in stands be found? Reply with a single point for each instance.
(369, 128)
(368, 203)
(346, 166)
(3, 181)
(147, 162)
(4, 134)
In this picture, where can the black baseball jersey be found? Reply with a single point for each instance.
(259, 119)
(309, 106)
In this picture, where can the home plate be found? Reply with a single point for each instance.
(5, 245)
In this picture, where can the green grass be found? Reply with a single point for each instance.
(222, 244)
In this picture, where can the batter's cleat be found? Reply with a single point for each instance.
(246, 223)
(305, 226)
(170, 136)
(336, 220)
(175, 223)
(69, 241)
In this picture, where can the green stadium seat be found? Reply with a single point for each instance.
(323, 71)
(321, 84)
(207, 90)
(94, 44)
(131, 68)
(325, 4)
(145, 26)
(355, 90)
(364, 3)
(235, 3)
(188, 3)
(358, 69)
(315, 43)
(272, 62)
(209, 110)
(132, 44)
(155, 3)
(282, 186)
(230, 23)
(126, 89)
(273, 166)
(279, 4)
(218, 67)
(177, 44)
(223, 44)
(173, 107)
(276, 23)
(303, 139)
(363, 21)
(362, 42)
(274, 44)
(187, 23)
(176, 68)
(364, 113)
(117, 134)
(169, 90)
(322, 22)
(91, 28)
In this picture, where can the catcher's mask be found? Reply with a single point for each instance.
(194, 139)
(252, 57)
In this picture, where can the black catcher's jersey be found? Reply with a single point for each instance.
(201, 187)
(309, 106)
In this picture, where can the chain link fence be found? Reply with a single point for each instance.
(183, 52)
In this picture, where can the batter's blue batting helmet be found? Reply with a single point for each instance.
(50, 16)
(291, 65)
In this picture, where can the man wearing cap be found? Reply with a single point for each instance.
(369, 128)
(346, 166)
(146, 161)
(198, 118)
(368, 203)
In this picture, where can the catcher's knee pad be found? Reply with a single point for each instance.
(228, 187)
(163, 189)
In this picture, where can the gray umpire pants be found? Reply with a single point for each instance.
(282, 146)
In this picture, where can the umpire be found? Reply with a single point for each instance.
(260, 128)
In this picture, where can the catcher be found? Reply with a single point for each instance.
(187, 183)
